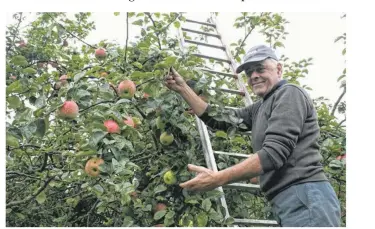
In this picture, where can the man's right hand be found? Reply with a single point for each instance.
(174, 81)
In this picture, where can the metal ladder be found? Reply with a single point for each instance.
(209, 153)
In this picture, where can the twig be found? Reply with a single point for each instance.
(70, 32)
(338, 101)
(14, 36)
(20, 174)
(127, 35)
(243, 42)
(157, 33)
(145, 82)
(106, 101)
(31, 197)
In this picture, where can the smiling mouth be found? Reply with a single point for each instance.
(254, 84)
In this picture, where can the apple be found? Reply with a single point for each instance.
(22, 44)
(160, 207)
(129, 121)
(13, 77)
(92, 166)
(69, 109)
(145, 95)
(103, 74)
(166, 138)
(126, 89)
(100, 53)
(112, 126)
(64, 80)
(169, 177)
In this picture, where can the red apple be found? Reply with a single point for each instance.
(100, 53)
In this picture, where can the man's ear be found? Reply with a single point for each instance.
(279, 70)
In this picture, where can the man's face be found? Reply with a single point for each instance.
(263, 76)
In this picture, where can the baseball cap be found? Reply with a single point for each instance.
(255, 54)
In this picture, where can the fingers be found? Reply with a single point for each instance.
(194, 168)
(189, 184)
(174, 72)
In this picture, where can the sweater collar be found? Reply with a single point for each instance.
(277, 86)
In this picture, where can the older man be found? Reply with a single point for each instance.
(285, 134)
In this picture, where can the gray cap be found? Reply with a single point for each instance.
(255, 54)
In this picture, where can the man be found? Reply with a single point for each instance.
(285, 136)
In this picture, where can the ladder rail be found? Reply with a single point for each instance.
(240, 84)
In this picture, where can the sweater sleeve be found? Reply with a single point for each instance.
(242, 113)
(288, 115)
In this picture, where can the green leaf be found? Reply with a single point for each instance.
(116, 13)
(14, 87)
(96, 138)
(213, 194)
(14, 102)
(202, 219)
(98, 189)
(177, 24)
(12, 140)
(170, 60)
(41, 127)
(206, 204)
(78, 76)
(160, 188)
(221, 134)
(19, 61)
(138, 65)
(160, 214)
(82, 93)
(131, 14)
(170, 215)
(8, 210)
(40, 101)
(138, 22)
(29, 71)
(123, 101)
(229, 220)
(41, 198)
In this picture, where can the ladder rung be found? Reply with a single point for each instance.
(200, 32)
(258, 222)
(237, 92)
(219, 73)
(232, 154)
(205, 44)
(211, 57)
(202, 23)
(241, 186)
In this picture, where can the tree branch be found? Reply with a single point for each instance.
(338, 101)
(106, 101)
(31, 197)
(14, 36)
(145, 82)
(70, 32)
(127, 35)
(243, 42)
(19, 174)
(157, 33)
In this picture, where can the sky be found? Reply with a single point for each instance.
(310, 35)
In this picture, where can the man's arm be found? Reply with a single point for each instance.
(207, 179)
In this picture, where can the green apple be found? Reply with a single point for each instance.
(169, 177)
(166, 139)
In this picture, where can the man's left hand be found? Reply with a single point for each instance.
(205, 180)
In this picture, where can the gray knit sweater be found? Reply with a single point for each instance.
(285, 135)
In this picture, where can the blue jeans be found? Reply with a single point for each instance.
(311, 204)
